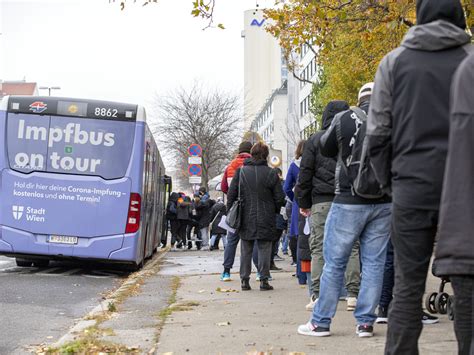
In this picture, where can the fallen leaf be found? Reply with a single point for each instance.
(223, 324)
(201, 291)
(225, 290)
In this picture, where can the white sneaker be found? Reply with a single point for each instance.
(351, 303)
(313, 330)
(312, 303)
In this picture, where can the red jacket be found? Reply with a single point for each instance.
(231, 169)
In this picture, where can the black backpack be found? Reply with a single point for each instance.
(358, 166)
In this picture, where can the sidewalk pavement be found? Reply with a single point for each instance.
(218, 318)
(178, 305)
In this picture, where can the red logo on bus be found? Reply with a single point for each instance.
(38, 107)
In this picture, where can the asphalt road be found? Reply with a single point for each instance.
(39, 305)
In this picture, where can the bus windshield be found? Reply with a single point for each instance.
(69, 145)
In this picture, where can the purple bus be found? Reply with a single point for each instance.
(80, 179)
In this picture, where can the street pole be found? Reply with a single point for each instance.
(49, 88)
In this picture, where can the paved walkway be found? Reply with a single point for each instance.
(217, 318)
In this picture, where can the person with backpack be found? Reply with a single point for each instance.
(407, 130)
(360, 211)
(217, 233)
(172, 217)
(183, 217)
(315, 193)
(203, 205)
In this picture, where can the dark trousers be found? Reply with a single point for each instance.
(276, 243)
(264, 250)
(463, 287)
(388, 278)
(182, 227)
(293, 247)
(413, 235)
(174, 227)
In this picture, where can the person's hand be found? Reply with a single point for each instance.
(305, 212)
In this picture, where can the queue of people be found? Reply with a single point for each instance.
(194, 222)
(367, 196)
(390, 153)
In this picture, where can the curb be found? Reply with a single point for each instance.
(102, 307)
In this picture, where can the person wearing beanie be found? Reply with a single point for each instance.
(233, 238)
(352, 220)
(407, 130)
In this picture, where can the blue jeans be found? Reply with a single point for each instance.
(284, 243)
(346, 223)
(230, 250)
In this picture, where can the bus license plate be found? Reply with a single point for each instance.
(62, 239)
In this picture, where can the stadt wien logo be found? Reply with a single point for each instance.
(17, 211)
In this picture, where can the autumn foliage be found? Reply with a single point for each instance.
(350, 38)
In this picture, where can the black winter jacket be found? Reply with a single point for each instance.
(316, 178)
(408, 122)
(262, 197)
(172, 207)
(455, 248)
(338, 138)
(203, 209)
(217, 211)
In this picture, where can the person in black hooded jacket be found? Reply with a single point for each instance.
(407, 130)
(455, 248)
(315, 193)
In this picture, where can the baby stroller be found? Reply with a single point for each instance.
(441, 302)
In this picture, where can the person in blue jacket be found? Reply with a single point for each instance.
(288, 187)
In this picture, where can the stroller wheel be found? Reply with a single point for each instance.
(441, 303)
(430, 303)
(450, 307)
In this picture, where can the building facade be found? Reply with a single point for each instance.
(264, 69)
(272, 125)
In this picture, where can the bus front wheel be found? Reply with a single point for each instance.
(23, 262)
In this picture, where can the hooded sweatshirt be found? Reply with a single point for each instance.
(455, 248)
(316, 178)
(408, 123)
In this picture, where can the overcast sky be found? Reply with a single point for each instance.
(91, 49)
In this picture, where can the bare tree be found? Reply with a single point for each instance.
(210, 118)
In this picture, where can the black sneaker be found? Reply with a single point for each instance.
(429, 319)
(245, 284)
(273, 267)
(382, 316)
(265, 286)
(364, 331)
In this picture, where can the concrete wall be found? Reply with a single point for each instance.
(262, 64)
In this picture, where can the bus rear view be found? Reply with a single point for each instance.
(72, 180)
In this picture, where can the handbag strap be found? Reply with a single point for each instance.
(240, 180)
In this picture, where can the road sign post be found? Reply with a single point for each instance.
(195, 165)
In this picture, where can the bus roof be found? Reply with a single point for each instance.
(73, 107)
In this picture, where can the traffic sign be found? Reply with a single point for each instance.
(195, 179)
(195, 150)
(195, 160)
(194, 170)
